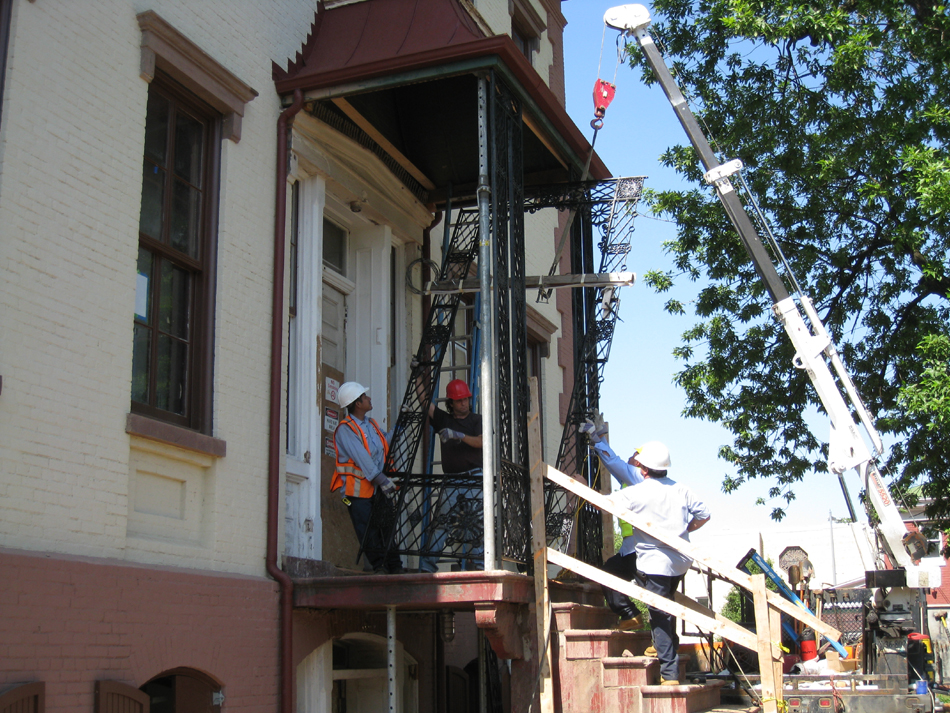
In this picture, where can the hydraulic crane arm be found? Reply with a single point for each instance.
(815, 350)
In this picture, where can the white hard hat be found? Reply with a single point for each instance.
(349, 392)
(653, 455)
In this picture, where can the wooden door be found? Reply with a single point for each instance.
(339, 542)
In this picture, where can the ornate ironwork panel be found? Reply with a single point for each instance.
(463, 249)
(435, 516)
(507, 213)
(606, 209)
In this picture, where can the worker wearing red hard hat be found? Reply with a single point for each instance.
(460, 431)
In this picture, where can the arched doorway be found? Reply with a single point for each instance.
(183, 690)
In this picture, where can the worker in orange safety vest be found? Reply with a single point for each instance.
(361, 448)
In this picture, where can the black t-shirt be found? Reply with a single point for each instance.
(458, 457)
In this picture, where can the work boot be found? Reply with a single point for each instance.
(631, 624)
(650, 651)
(671, 682)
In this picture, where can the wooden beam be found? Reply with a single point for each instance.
(542, 137)
(542, 598)
(387, 146)
(766, 648)
(727, 571)
(693, 613)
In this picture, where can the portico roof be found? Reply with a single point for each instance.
(405, 72)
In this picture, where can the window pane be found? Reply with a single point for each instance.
(334, 246)
(172, 374)
(153, 199)
(156, 128)
(141, 341)
(186, 213)
(189, 140)
(173, 307)
(143, 287)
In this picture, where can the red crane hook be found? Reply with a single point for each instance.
(603, 94)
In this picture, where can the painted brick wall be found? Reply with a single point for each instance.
(70, 622)
(70, 186)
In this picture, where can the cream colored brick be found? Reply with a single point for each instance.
(70, 185)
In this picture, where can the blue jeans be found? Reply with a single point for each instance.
(624, 567)
(665, 639)
(369, 535)
(457, 513)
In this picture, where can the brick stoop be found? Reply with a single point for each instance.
(602, 670)
(603, 643)
(571, 615)
(626, 671)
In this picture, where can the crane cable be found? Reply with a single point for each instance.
(604, 92)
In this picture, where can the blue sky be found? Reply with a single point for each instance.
(638, 397)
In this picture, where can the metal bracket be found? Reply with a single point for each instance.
(723, 171)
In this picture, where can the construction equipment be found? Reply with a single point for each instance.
(896, 589)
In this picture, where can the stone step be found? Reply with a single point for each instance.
(572, 615)
(625, 671)
(686, 698)
(604, 643)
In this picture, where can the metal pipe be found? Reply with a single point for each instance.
(276, 412)
(391, 656)
(485, 358)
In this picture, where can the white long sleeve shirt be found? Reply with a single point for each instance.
(670, 506)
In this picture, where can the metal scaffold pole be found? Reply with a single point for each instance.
(487, 395)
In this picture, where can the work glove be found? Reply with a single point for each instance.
(386, 485)
(600, 428)
(449, 436)
(590, 430)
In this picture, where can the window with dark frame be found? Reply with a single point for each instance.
(171, 365)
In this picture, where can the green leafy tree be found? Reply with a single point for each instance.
(732, 607)
(840, 112)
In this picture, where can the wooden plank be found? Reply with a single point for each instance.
(539, 546)
(775, 630)
(695, 606)
(766, 648)
(387, 146)
(543, 138)
(726, 571)
(693, 613)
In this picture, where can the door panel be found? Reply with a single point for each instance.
(339, 542)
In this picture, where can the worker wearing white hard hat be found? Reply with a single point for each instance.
(361, 449)
(660, 568)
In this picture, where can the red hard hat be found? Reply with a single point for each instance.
(457, 389)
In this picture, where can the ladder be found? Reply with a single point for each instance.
(438, 335)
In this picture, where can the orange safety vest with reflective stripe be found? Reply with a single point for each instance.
(347, 474)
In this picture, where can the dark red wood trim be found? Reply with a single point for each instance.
(28, 698)
(116, 697)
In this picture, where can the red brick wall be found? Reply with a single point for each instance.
(70, 622)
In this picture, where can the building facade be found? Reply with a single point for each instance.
(211, 215)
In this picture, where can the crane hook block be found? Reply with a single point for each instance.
(603, 94)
